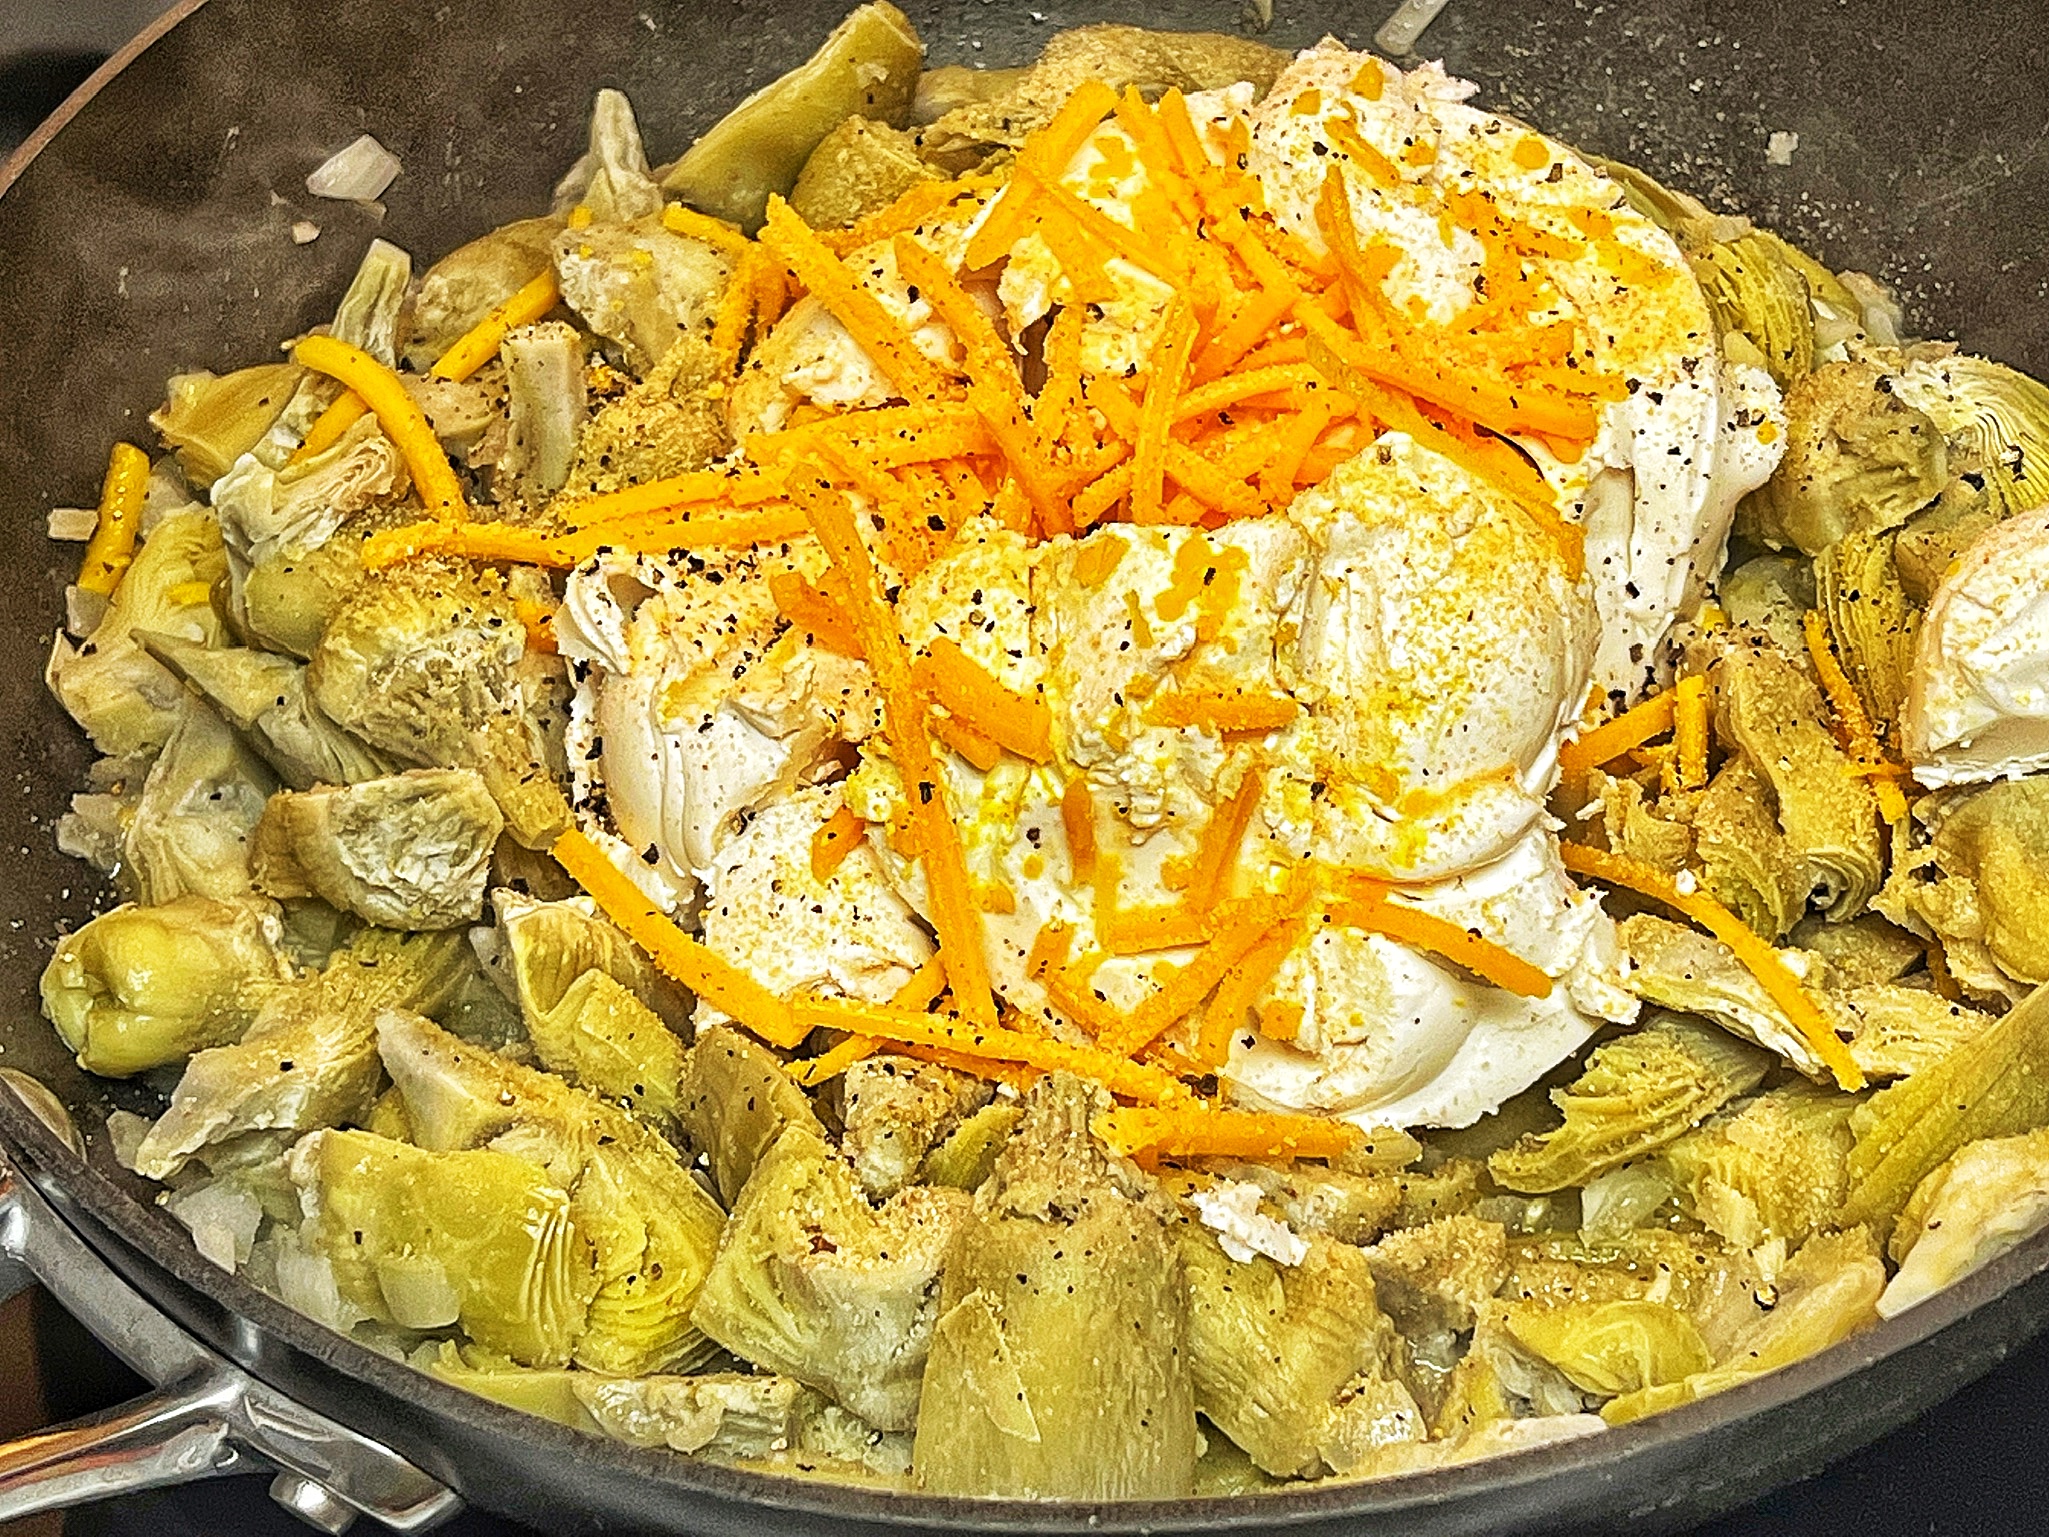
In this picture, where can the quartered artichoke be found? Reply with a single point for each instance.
(544, 376)
(611, 181)
(140, 987)
(461, 288)
(736, 1103)
(868, 67)
(1871, 619)
(601, 1037)
(1606, 1349)
(1995, 418)
(424, 1239)
(211, 420)
(650, 1225)
(193, 824)
(859, 168)
(411, 851)
(1060, 1363)
(1295, 1363)
(895, 1111)
(1988, 1197)
(422, 663)
(1773, 1168)
(1639, 1092)
(640, 285)
(814, 1282)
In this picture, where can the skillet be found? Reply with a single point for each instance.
(139, 236)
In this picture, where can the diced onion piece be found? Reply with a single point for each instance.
(357, 174)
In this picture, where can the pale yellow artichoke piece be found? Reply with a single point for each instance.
(1769, 708)
(868, 66)
(1771, 593)
(1827, 1293)
(1060, 1365)
(550, 1393)
(651, 1227)
(287, 600)
(895, 1110)
(1755, 292)
(611, 181)
(1873, 623)
(671, 423)
(1997, 838)
(1866, 950)
(1639, 1092)
(736, 1102)
(722, 1415)
(461, 288)
(1717, 1285)
(213, 420)
(1987, 1198)
(640, 285)
(547, 946)
(1996, 419)
(422, 662)
(859, 168)
(602, 1038)
(1745, 860)
(1606, 1349)
(1639, 828)
(1435, 1278)
(968, 1155)
(547, 403)
(408, 851)
(1858, 456)
(126, 700)
(1773, 1168)
(814, 1282)
(1004, 110)
(191, 831)
(142, 987)
(1932, 541)
(263, 696)
(1282, 1354)
(1993, 1085)
(427, 1239)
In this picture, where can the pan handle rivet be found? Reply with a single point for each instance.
(312, 1503)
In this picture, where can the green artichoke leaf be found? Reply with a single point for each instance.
(1995, 1084)
(143, 987)
(1858, 456)
(425, 1239)
(1295, 1363)
(895, 1110)
(737, 1101)
(814, 1282)
(651, 1226)
(1606, 1349)
(126, 700)
(860, 168)
(407, 851)
(263, 696)
(1060, 1368)
(1986, 1198)
(604, 1039)
(1639, 1092)
(212, 420)
(199, 806)
(868, 66)
(1828, 1292)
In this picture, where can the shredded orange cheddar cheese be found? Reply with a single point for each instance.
(1373, 911)
(839, 835)
(1690, 730)
(331, 426)
(1166, 377)
(1239, 927)
(679, 220)
(1610, 740)
(1763, 962)
(1239, 992)
(954, 913)
(111, 549)
(712, 977)
(1078, 821)
(478, 345)
(918, 994)
(1222, 712)
(1020, 722)
(522, 546)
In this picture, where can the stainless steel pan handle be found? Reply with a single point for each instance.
(206, 1417)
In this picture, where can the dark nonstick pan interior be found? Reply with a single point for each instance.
(150, 233)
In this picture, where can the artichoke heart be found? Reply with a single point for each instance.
(859, 168)
(1754, 290)
(141, 987)
(1870, 618)
(1060, 1366)
(425, 1239)
(193, 823)
(611, 181)
(1988, 1197)
(1639, 1092)
(867, 66)
(1995, 1084)
(1745, 859)
(211, 420)
(126, 700)
(544, 372)
(284, 603)
(263, 696)
(896, 1110)
(1774, 1168)
(1770, 709)
(1606, 1349)
(812, 1281)
(268, 513)
(737, 1101)
(1859, 456)
(548, 946)
(461, 288)
(1294, 1363)
(410, 851)
(422, 663)
(1997, 839)
(604, 1039)
(652, 1227)
(1996, 419)
(640, 285)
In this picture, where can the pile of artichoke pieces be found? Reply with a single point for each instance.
(494, 1145)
